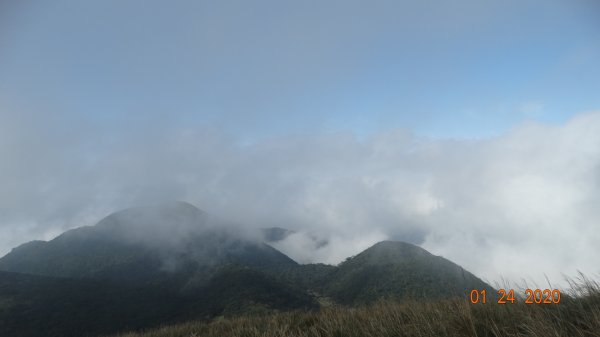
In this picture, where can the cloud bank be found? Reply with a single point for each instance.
(517, 206)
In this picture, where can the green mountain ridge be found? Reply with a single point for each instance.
(181, 263)
(399, 270)
(144, 245)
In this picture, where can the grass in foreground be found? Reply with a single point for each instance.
(576, 315)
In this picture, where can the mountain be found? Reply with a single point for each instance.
(146, 245)
(398, 270)
(146, 266)
(152, 265)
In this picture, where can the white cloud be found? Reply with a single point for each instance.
(520, 205)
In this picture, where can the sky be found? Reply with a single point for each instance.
(470, 128)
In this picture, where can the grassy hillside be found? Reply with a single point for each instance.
(574, 316)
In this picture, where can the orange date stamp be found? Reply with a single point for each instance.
(532, 296)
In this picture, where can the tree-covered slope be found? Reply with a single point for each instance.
(399, 270)
(32, 306)
(152, 265)
(145, 245)
(45, 306)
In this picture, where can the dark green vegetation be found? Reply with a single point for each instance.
(44, 306)
(388, 269)
(146, 245)
(39, 305)
(150, 266)
(399, 270)
(574, 316)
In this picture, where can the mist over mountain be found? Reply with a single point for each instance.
(145, 245)
(341, 152)
(275, 234)
(197, 266)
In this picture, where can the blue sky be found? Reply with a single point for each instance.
(469, 69)
(469, 127)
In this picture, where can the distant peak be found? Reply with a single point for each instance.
(163, 208)
(181, 204)
(169, 205)
(274, 234)
(165, 223)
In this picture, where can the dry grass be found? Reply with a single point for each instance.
(576, 315)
